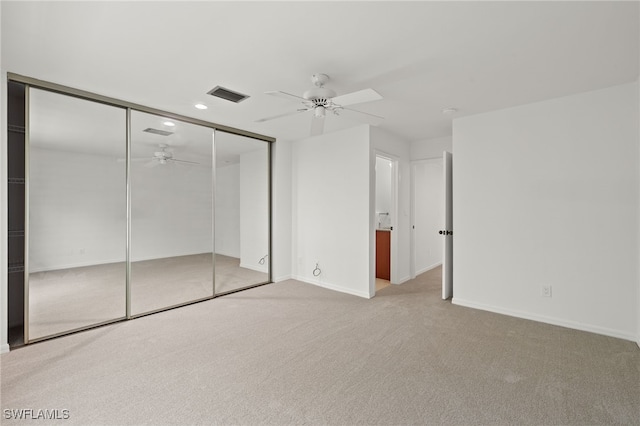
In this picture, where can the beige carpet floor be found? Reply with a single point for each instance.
(293, 353)
(72, 298)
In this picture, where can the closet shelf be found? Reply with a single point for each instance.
(16, 129)
(14, 267)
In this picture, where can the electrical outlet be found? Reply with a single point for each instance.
(546, 291)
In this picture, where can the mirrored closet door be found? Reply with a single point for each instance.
(76, 186)
(241, 212)
(171, 181)
(130, 211)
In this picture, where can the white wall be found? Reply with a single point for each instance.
(77, 205)
(428, 215)
(547, 194)
(331, 210)
(254, 210)
(281, 153)
(431, 148)
(171, 211)
(227, 210)
(396, 147)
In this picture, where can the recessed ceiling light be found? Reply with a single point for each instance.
(450, 110)
(169, 123)
(201, 106)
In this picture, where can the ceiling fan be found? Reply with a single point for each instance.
(321, 99)
(162, 157)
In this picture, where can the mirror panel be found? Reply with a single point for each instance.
(241, 211)
(110, 234)
(171, 178)
(77, 213)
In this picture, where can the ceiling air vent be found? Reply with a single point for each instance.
(229, 95)
(157, 131)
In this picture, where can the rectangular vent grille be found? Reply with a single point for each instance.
(157, 131)
(229, 95)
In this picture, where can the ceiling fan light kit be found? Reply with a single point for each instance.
(321, 99)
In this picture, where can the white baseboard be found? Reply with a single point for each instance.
(108, 261)
(4, 348)
(254, 268)
(545, 319)
(228, 254)
(282, 278)
(334, 287)
(403, 280)
(428, 268)
(75, 265)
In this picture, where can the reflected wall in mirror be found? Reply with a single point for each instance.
(171, 178)
(77, 213)
(241, 212)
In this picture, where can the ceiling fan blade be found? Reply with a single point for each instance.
(151, 164)
(285, 95)
(363, 113)
(183, 161)
(280, 115)
(317, 126)
(133, 160)
(361, 96)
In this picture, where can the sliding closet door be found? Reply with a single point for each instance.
(241, 212)
(76, 202)
(171, 249)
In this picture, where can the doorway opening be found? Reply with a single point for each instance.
(432, 219)
(385, 218)
(427, 210)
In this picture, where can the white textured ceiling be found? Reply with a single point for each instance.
(420, 56)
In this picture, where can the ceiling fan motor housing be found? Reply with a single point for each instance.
(319, 93)
(162, 155)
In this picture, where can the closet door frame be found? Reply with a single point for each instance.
(29, 82)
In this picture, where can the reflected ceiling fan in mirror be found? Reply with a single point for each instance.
(162, 157)
(321, 99)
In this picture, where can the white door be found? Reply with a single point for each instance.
(447, 232)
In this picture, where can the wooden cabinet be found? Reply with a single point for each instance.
(383, 254)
